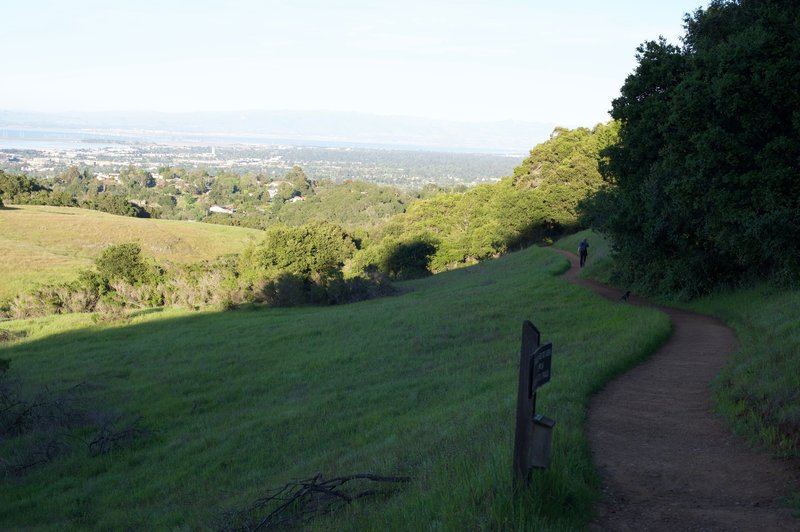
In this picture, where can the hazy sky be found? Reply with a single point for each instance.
(545, 61)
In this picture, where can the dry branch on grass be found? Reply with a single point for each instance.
(44, 427)
(300, 500)
(110, 436)
(47, 409)
(41, 452)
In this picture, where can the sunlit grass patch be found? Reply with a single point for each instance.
(53, 243)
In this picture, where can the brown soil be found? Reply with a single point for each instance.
(667, 462)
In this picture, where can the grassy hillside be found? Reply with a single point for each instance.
(421, 384)
(41, 244)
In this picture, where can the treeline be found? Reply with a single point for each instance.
(702, 187)
(535, 205)
(23, 190)
(295, 199)
(248, 200)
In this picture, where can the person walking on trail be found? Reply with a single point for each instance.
(583, 251)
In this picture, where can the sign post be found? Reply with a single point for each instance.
(533, 432)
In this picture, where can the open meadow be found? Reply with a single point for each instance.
(43, 244)
(234, 404)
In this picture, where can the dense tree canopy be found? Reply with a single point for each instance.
(538, 202)
(352, 204)
(24, 190)
(703, 183)
(14, 187)
(565, 169)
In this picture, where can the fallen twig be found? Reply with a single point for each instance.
(298, 501)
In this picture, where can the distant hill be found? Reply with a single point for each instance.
(290, 127)
(41, 244)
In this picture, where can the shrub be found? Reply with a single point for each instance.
(29, 306)
(109, 310)
(372, 283)
(138, 295)
(317, 248)
(410, 260)
(285, 290)
(125, 262)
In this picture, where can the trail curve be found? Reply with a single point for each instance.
(667, 462)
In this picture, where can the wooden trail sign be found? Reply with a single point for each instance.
(533, 432)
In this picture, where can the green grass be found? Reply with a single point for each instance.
(758, 392)
(422, 384)
(42, 244)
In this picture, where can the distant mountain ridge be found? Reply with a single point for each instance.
(302, 127)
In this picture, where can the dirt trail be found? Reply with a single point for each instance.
(666, 461)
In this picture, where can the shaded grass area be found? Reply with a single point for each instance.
(420, 385)
(55, 242)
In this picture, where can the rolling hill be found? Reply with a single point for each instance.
(42, 244)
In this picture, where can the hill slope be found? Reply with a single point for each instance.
(42, 244)
(421, 384)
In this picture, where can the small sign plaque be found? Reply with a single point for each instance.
(540, 366)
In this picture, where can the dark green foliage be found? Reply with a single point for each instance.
(410, 260)
(16, 188)
(704, 187)
(295, 265)
(125, 262)
(77, 182)
(285, 290)
(137, 178)
(27, 191)
(370, 284)
(111, 204)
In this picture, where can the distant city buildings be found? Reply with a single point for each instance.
(405, 169)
